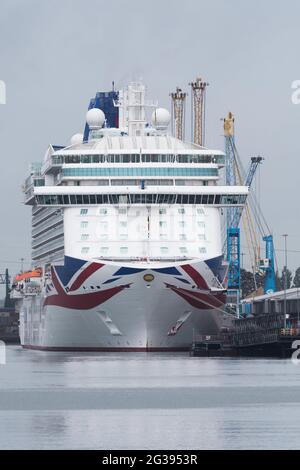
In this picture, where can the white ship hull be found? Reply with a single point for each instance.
(88, 305)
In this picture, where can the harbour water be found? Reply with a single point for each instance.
(54, 400)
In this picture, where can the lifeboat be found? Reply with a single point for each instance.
(29, 274)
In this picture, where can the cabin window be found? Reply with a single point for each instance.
(200, 211)
(85, 159)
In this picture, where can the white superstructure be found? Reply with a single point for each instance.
(126, 227)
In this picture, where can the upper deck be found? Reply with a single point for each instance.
(136, 156)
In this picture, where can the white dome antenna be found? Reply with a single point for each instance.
(77, 139)
(95, 118)
(160, 118)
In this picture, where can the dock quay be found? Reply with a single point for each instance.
(9, 325)
(268, 326)
(260, 336)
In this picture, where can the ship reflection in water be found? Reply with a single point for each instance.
(147, 401)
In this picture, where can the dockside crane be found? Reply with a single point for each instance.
(268, 265)
(237, 212)
(5, 279)
(232, 232)
(234, 176)
(233, 236)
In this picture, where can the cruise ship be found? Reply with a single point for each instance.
(127, 247)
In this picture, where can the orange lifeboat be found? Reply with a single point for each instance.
(29, 274)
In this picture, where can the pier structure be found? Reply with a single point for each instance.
(270, 328)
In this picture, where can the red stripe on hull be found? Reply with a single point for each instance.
(199, 299)
(191, 300)
(197, 278)
(210, 300)
(83, 301)
(93, 267)
(80, 301)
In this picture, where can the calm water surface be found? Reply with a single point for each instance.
(53, 400)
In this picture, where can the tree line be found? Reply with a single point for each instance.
(249, 284)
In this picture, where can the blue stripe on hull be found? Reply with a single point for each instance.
(71, 266)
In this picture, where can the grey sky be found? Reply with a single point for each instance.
(54, 55)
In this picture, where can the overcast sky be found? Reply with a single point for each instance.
(54, 56)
